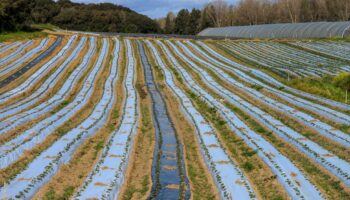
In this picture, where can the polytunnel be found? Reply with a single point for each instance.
(288, 30)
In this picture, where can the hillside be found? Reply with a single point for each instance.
(102, 117)
(20, 14)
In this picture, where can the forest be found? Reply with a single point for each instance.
(18, 15)
(219, 13)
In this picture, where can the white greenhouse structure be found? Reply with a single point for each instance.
(289, 30)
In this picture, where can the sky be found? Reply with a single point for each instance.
(155, 8)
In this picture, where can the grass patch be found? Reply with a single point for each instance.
(51, 194)
(49, 27)
(329, 87)
(8, 37)
(248, 166)
(68, 192)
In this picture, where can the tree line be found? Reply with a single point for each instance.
(106, 17)
(18, 15)
(252, 12)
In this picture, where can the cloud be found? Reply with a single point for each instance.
(155, 8)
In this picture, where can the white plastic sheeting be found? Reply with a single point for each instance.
(50, 82)
(281, 57)
(321, 127)
(331, 162)
(322, 110)
(18, 51)
(43, 167)
(7, 47)
(22, 117)
(17, 63)
(339, 49)
(110, 170)
(230, 180)
(269, 79)
(11, 150)
(288, 30)
(38, 74)
(298, 187)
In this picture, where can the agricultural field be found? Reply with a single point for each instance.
(87, 116)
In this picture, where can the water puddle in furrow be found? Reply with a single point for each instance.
(32, 63)
(168, 169)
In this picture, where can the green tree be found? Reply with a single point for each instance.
(15, 15)
(194, 22)
(181, 22)
(44, 11)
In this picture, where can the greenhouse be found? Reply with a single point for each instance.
(295, 31)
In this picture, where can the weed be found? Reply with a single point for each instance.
(248, 166)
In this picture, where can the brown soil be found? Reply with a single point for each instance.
(138, 181)
(28, 156)
(33, 45)
(201, 183)
(168, 167)
(25, 76)
(19, 129)
(318, 175)
(85, 157)
(323, 118)
(237, 151)
(50, 42)
(173, 186)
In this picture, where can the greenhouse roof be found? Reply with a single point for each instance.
(295, 30)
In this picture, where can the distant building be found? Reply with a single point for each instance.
(295, 31)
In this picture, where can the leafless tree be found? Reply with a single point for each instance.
(217, 12)
(250, 12)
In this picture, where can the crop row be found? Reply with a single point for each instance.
(24, 58)
(50, 82)
(285, 58)
(223, 169)
(322, 110)
(339, 50)
(321, 127)
(336, 165)
(13, 54)
(44, 166)
(5, 47)
(110, 170)
(235, 67)
(35, 77)
(54, 110)
(297, 187)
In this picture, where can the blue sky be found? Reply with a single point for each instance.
(156, 8)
